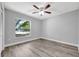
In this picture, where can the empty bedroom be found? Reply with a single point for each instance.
(39, 29)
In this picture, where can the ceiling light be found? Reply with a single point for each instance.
(41, 13)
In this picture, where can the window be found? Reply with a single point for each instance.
(22, 27)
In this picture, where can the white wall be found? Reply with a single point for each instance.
(62, 27)
(78, 28)
(0, 30)
(10, 21)
(1, 27)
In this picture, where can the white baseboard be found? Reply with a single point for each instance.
(42, 38)
(20, 42)
(60, 41)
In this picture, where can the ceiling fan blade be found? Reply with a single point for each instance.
(47, 6)
(35, 6)
(34, 12)
(47, 12)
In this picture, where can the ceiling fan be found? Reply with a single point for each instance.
(42, 10)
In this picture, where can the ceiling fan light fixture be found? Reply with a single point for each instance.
(41, 13)
(42, 10)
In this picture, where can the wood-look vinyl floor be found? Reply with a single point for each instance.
(41, 48)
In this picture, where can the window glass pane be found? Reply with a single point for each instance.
(22, 28)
